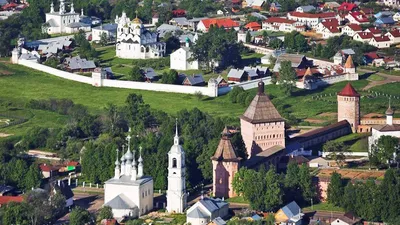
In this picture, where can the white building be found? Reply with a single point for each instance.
(134, 41)
(388, 129)
(351, 29)
(394, 36)
(110, 30)
(63, 21)
(176, 193)
(206, 210)
(180, 59)
(305, 9)
(129, 193)
(309, 19)
(396, 17)
(282, 24)
(391, 3)
(363, 36)
(380, 42)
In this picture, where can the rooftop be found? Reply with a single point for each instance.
(126, 180)
(349, 91)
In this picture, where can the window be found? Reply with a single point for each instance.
(174, 163)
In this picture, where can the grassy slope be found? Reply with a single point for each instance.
(357, 142)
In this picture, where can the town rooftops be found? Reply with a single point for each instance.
(306, 8)
(111, 27)
(395, 33)
(195, 79)
(79, 63)
(349, 91)
(236, 73)
(385, 20)
(373, 30)
(225, 22)
(47, 168)
(316, 15)
(279, 20)
(261, 109)
(253, 25)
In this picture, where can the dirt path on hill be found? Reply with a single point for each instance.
(388, 79)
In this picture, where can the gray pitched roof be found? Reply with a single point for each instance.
(212, 204)
(236, 73)
(121, 202)
(291, 209)
(149, 73)
(78, 63)
(219, 221)
(307, 8)
(111, 27)
(78, 25)
(195, 79)
(52, 23)
(197, 213)
(181, 21)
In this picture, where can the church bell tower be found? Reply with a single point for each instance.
(176, 193)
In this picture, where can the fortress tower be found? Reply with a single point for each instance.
(262, 126)
(349, 106)
(225, 166)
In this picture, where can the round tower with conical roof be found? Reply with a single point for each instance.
(349, 106)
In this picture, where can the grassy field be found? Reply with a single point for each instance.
(375, 77)
(357, 142)
(382, 70)
(324, 207)
(238, 199)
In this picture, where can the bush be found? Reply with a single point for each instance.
(157, 64)
(241, 98)
(234, 93)
(199, 95)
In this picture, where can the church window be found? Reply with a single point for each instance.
(142, 194)
(174, 163)
(142, 49)
(147, 49)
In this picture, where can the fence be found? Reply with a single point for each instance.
(211, 90)
(361, 154)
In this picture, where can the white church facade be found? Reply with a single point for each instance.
(63, 21)
(129, 193)
(134, 41)
(176, 193)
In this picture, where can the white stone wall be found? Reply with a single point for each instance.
(211, 90)
(361, 154)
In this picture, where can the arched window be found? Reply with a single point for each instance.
(174, 163)
(147, 49)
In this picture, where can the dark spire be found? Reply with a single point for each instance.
(261, 87)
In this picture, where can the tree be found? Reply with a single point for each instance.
(39, 209)
(248, 37)
(238, 184)
(275, 43)
(335, 189)
(33, 177)
(79, 216)
(384, 148)
(307, 188)
(136, 74)
(170, 77)
(14, 213)
(292, 176)
(287, 77)
(241, 98)
(57, 202)
(349, 197)
(52, 62)
(336, 150)
(103, 39)
(105, 213)
(273, 197)
(234, 93)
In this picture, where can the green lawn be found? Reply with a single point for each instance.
(382, 70)
(325, 207)
(375, 77)
(357, 142)
(238, 199)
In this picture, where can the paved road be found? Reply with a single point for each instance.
(388, 78)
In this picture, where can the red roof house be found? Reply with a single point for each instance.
(9, 6)
(345, 6)
(178, 12)
(349, 91)
(311, 15)
(357, 18)
(253, 26)
(205, 24)
(7, 199)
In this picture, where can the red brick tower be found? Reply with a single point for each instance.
(349, 106)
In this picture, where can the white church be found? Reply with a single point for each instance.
(181, 58)
(129, 193)
(134, 41)
(63, 21)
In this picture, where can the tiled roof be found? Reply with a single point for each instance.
(365, 35)
(227, 23)
(8, 199)
(381, 38)
(195, 79)
(310, 15)
(261, 109)
(395, 33)
(387, 127)
(372, 55)
(373, 30)
(349, 91)
(279, 20)
(347, 6)
(47, 168)
(355, 27)
(359, 17)
(253, 25)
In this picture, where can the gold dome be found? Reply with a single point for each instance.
(136, 20)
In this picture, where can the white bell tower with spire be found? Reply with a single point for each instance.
(176, 193)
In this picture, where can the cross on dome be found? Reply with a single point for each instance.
(176, 138)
